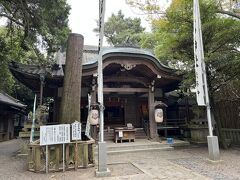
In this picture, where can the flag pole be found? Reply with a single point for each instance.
(33, 120)
(102, 170)
(201, 81)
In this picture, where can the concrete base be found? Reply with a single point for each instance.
(103, 173)
(214, 162)
(213, 148)
(102, 160)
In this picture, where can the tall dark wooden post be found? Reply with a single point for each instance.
(42, 79)
(152, 124)
(71, 98)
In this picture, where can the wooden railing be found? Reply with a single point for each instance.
(232, 135)
(172, 123)
(79, 154)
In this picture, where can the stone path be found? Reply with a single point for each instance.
(177, 164)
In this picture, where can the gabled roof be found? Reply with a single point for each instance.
(9, 100)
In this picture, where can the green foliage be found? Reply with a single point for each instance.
(34, 30)
(172, 39)
(37, 22)
(118, 29)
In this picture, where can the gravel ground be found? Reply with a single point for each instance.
(190, 163)
(197, 161)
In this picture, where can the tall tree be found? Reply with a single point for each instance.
(37, 22)
(172, 40)
(154, 8)
(229, 7)
(119, 29)
(33, 30)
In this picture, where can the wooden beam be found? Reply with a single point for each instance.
(125, 90)
(128, 79)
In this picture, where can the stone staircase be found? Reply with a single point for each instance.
(140, 145)
(137, 147)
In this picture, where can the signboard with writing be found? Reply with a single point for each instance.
(54, 134)
(76, 131)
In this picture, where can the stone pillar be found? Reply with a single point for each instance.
(152, 124)
(71, 97)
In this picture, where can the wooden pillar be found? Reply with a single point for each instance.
(42, 78)
(152, 124)
(56, 105)
(71, 98)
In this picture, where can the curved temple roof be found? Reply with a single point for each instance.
(127, 52)
(27, 73)
(9, 100)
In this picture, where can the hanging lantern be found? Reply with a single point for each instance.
(93, 117)
(158, 115)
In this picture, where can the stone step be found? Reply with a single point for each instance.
(139, 150)
(134, 146)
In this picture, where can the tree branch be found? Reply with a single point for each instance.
(11, 19)
(229, 13)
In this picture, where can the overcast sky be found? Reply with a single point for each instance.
(84, 14)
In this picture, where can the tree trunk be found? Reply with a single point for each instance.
(71, 98)
(152, 124)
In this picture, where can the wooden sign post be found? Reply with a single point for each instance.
(55, 134)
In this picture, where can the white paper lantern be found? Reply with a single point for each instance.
(158, 115)
(94, 117)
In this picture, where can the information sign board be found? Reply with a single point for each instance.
(54, 134)
(76, 131)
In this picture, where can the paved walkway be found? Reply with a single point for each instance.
(177, 164)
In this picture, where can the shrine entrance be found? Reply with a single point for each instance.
(134, 80)
(123, 109)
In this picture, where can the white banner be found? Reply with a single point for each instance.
(198, 55)
(54, 134)
(76, 131)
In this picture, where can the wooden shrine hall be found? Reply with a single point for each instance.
(134, 82)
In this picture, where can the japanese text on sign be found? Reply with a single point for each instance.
(54, 134)
(76, 131)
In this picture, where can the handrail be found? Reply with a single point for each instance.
(173, 122)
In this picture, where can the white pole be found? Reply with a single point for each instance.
(102, 148)
(209, 117)
(199, 45)
(201, 81)
(46, 153)
(100, 71)
(46, 159)
(33, 119)
(63, 157)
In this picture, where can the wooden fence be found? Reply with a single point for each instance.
(228, 114)
(79, 154)
(232, 136)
